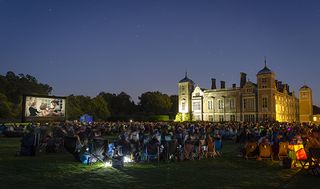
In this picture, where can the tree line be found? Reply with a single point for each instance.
(104, 106)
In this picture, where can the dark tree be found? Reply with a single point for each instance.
(174, 107)
(119, 105)
(13, 86)
(155, 103)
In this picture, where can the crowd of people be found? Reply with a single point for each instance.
(146, 141)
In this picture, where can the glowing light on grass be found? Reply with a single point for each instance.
(107, 164)
(127, 159)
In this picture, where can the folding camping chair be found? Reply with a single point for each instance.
(29, 144)
(283, 150)
(173, 150)
(265, 151)
(314, 161)
(251, 150)
(211, 147)
(98, 149)
(188, 151)
(71, 145)
(117, 157)
(152, 152)
(203, 149)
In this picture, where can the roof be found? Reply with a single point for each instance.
(251, 83)
(186, 79)
(305, 87)
(265, 70)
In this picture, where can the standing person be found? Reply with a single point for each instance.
(218, 144)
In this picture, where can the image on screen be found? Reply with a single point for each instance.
(44, 107)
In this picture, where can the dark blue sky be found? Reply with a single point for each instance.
(88, 46)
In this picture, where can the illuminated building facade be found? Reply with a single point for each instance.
(268, 99)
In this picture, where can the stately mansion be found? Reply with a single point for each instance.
(267, 99)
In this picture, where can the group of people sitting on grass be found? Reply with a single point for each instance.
(146, 141)
(287, 142)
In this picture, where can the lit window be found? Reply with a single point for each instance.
(183, 106)
(221, 118)
(210, 105)
(220, 102)
(196, 105)
(210, 118)
(232, 117)
(232, 103)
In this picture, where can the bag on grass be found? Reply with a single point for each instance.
(301, 155)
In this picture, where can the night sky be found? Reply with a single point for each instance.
(89, 46)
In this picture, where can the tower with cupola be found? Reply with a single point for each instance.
(185, 87)
(305, 104)
(266, 94)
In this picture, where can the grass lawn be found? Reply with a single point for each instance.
(61, 171)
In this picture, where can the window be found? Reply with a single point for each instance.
(221, 105)
(210, 105)
(265, 116)
(252, 118)
(248, 104)
(249, 118)
(246, 118)
(264, 82)
(221, 118)
(304, 95)
(210, 117)
(232, 117)
(196, 105)
(264, 102)
(232, 103)
(183, 106)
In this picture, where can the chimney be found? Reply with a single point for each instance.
(213, 83)
(280, 86)
(223, 84)
(243, 79)
(234, 86)
(286, 87)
